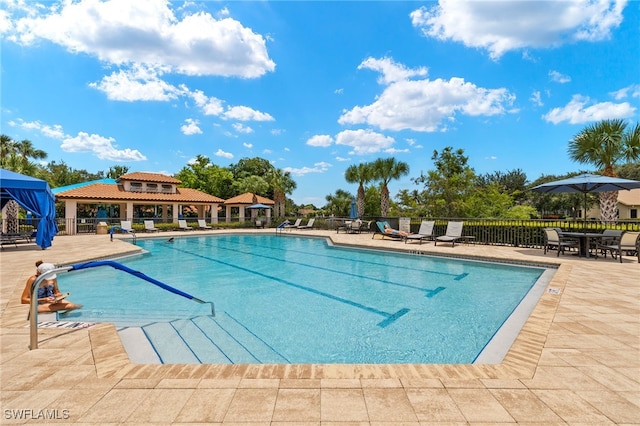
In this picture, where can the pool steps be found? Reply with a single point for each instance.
(198, 340)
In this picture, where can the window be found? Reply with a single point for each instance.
(152, 187)
(634, 213)
(167, 188)
(136, 186)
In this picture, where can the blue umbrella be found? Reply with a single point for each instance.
(586, 183)
(354, 209)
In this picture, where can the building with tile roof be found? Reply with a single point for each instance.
(244, 201)
(134, 196)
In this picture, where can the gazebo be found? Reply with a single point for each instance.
(246, 201)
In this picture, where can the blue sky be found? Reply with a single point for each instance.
(315, 87)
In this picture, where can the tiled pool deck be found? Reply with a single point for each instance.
(576, 361)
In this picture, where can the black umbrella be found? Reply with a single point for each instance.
(585, 184)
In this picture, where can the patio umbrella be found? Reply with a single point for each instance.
(259, 206)
(585, 184)
(354, 209)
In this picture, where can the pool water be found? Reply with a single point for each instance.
(287, 299)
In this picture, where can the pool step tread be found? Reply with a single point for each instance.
(259, 349)
(138, 346)
(169, 345)
(237, 352)
(203, 345)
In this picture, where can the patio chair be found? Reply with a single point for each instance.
(259, 223)
(202, 224)
(452, 234)
(125, 226)
(149, 226)
(424, 233)
(295, 224)
(309, 224)
(387, 231)
(554, 240)
(628, 242)
(182, 225)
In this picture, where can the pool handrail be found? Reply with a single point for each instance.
(125, 230)
(33, 313)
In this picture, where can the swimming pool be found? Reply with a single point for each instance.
(288, 299)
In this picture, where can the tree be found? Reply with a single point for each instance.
(448, 186)
(360, 174)
(384, 170)
(207, 177)
(604, 144)
(339, 203)
(489, 202)
(254, 184)
(513, 182)
(282, 184)
(116, 171)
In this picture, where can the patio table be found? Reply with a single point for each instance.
(584, 239)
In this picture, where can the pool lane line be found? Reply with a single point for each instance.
(279, 259)
(341, 258)
(390, 318)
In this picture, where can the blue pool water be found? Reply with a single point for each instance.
(300, 300)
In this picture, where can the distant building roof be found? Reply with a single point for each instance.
(149, 177)
(629, 198)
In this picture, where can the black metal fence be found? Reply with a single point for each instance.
(516, 233)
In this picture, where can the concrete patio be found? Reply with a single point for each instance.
(576, 360)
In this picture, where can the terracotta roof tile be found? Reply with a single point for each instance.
(108, 192)
(149, 177)
(248, 198)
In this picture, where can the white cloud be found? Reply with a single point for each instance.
(247, 145)
(632, 91)
(423, 105)
(558, 77)
(503, 26)
(320, 140)
(536, 98)
(208, 105)
(320, 167)
(124, 32)
(577, 111)
(241, 128)
(191, 127)
(363, 141)
(343, 159)
(102, 147)
(136, 84)
(391, 71)
(243, 113)
(221, 153)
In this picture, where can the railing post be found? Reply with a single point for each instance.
(33, 308)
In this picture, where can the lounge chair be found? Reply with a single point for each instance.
(182, 225)
(388, 231)
(555, 240)
(424, 233)
(627, 242)
(295, 224)
(452, 234)
(202, 224)
(309, 224)
(125, 226)
(149, 226)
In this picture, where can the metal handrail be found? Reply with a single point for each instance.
(33, 314)
(127, 231)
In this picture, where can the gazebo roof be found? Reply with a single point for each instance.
(249, 198)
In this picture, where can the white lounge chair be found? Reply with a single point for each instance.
(295, 224)
(309, 224)
(202, 224)
(182, 225)
(424, 233)
(125, 226)
(149, 226)
(452, 234)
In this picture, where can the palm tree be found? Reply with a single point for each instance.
(603, 145)
(360, 174)
(26, 150)
(282, 184)
(384, 170)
